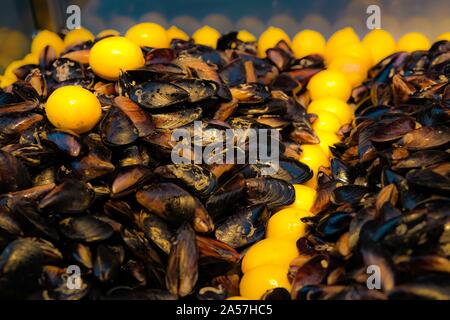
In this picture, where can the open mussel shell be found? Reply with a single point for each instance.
(85, 228)
(157, 94)
(200, 181)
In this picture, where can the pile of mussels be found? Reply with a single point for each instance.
(112, 204)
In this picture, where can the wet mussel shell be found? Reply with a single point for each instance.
(85, 228)
(157, 94)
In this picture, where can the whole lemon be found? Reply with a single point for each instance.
(304, 198)
(327, 139)
(175, 33)
(330, 84)
(270, 38)
(380, 44)
(269, 251)
(112, 54)
(9, 71)
(206, 36)
(413, 41)
(46, 38)
(339, 39)
(73, 108)
(246, 36)
(266, 277)
(308, 42)
(314, 157)
(326, 121)
(443, 36)
(353, 67)
(108, 32)
(336, 106)
(286, 224)
(148, 34)
(77, 36)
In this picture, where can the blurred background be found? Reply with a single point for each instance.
(19, 19)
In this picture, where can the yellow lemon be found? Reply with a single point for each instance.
(354, 68)
(304, 198)
(246, 36)
(9, 71)
(356, 50)
(339, 39)
(77, 36)
(286, 224)
(314, 157)
(266, 277)
(73, 108)
(237, 298)
(6, 81)
(336, 106)
(175, 33)
(443, 36)
(326, 121)
(308, 42)
(413, 41)
(269, 39)
(31, 58)
(108, 32)
(327, 139)
(330, 84)
(206, 36)
(148, 34)
(112, 54)
(380, 44)
(46, 38)
(269, 251)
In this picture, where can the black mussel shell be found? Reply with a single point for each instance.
(71, 196)
(351, 194)
(85, 228)
(13, 174)
(198, 89)
(272, 192)
(170, 202)
(67, 142)
(195, 178)
(117, 129)
(158, 94)
(244, 227)
(182, 265)
(426, 138)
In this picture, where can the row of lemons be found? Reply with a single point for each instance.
(344, 51)
(265, 264)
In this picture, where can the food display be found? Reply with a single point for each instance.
(96, 181)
